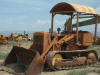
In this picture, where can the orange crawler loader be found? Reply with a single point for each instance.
(62, 50)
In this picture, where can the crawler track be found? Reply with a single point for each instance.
(69, 59)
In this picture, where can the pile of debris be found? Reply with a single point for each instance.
(3, 39)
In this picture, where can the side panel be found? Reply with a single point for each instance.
(38, 39)
(85, 38)
(47, 40)
(41, 41)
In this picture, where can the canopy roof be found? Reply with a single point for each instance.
(69, 8)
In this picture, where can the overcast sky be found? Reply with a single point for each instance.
(33, 15)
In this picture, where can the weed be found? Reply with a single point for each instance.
(2, 56)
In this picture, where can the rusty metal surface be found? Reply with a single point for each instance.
(41, 41)
(32, 60)
(3, 39)
(36, 66)
(76, 62)
(72, 59)
(66, 38)
(65, 8)
(25, 57)
(86, 38)
(20, 55)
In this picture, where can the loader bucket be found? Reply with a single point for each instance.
(24, 61)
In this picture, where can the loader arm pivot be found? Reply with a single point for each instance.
(66, 38)
(61, 41)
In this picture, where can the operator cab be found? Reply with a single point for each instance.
(72, 12)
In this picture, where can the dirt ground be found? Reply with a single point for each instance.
(5, 49)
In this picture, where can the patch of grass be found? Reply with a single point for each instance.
(14, 43)
(79, 72)
(98, 51)
(98, 41)
(2, 56)
(98, 71)
(95, 47)
(84, 71)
